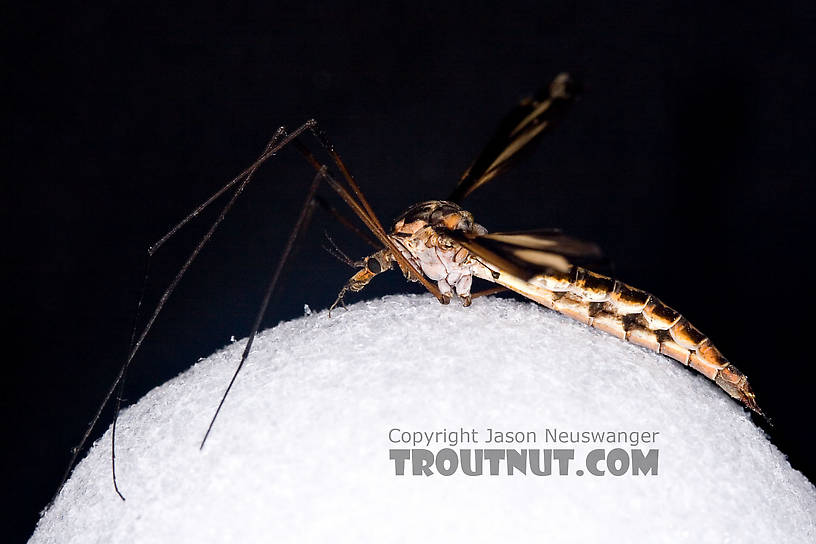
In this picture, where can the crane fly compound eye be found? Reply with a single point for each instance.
(373, 266)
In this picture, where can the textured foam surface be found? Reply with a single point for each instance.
(301, 449)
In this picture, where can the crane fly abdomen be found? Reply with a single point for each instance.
(636, 316)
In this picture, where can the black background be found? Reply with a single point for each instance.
(690, 159)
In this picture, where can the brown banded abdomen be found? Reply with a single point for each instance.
(633, 315)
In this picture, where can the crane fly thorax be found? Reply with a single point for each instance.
(419, 234)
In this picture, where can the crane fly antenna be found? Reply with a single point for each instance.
(301, 221)
(338, 253)
(343, 220)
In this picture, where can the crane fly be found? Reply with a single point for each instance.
(439, 244)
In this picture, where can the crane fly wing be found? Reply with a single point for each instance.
(552, 240)
(526, 254)
(516, 132)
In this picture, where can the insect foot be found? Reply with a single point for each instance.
(339, 300)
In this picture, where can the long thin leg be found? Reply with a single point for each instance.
(322, 173)
(487, 292)
(362, 209)
(120, 394)
(301, 221)
(404, 263)
(324, 141)
(247, 173)
(373, 225)
(242, 180)
(367, 216)
(270, 150)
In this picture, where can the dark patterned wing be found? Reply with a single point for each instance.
(526, 253)
(516, 132)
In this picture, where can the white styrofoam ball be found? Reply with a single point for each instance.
(301, 449)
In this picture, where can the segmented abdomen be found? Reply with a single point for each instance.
(636, 316)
